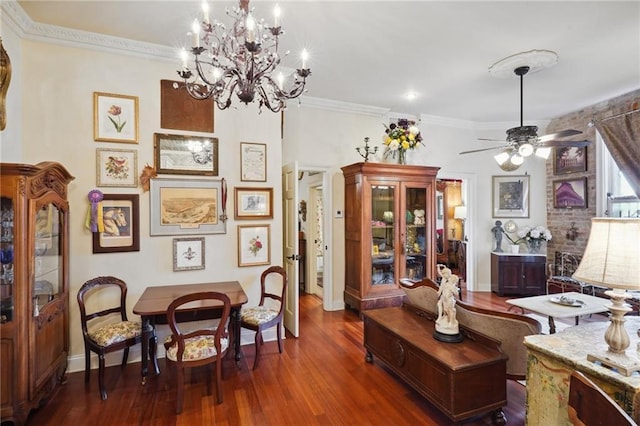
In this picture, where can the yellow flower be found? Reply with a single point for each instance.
(387, 140)
(412, 136)
(405, 145)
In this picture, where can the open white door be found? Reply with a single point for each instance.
(290, 245)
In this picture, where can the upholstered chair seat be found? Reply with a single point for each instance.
(117, 332)
(195, 348)
(258, 315)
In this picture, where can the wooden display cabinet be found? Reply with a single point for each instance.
(385, 240)
(34, 309)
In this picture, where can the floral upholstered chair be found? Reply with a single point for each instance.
(269, 312)
(206, 345)
(107, 330)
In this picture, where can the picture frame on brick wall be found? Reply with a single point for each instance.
(570, 159)
(570, 193)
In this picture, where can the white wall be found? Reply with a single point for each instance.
(57, 125)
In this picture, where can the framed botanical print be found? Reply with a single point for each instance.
(117, 167)
(511, 196)
(188, 254)
(570, 193)
(187, 207)
(253, 203)
(570, 159)
(115, 118)
(253, 162)
(186, 155)
(254, 245)
(120, 214)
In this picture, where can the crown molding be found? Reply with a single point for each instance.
(339, 106)
(28, 29)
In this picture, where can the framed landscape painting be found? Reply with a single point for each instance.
(570, 159)
(570, 193)
(186, 207)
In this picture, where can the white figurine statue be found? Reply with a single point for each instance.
(447, 324)
(419, 217)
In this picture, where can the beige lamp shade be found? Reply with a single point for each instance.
(460, 212)
(612, 256)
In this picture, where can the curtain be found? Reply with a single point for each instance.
(621, 135)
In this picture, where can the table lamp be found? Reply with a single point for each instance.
(612, 260)
(460, 213)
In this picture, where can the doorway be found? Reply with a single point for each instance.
(314, 227)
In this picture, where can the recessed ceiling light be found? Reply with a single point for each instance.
(411, 96)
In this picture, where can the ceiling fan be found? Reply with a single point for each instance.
(524, 141)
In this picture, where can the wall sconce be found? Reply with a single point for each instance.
(572, 233)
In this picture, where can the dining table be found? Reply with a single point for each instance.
(154, 301)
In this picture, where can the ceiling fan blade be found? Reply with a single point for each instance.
(560, 134)
(567, 143)
(483, 149)
(491, 140)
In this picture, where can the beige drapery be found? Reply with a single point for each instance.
(621, 135)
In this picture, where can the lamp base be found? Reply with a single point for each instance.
(623, 363)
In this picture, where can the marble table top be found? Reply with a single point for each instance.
(544, 305)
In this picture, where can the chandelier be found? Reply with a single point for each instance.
(241, 60)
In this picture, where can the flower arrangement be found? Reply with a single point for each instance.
(255, 245)
(528, 234)
(400, 137)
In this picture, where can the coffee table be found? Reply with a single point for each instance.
(543, 305)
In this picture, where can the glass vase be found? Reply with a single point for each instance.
(402, 156)
(534, 246)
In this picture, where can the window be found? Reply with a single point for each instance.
(615, 197)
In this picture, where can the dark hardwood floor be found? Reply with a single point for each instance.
(320, 378)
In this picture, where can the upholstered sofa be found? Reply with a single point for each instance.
(507, 328)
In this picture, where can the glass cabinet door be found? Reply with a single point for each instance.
(6, 260)
(47, 257)
(383, 231)
(415, 233)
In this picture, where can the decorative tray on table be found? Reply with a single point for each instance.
(567, 301)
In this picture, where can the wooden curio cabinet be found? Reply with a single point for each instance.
(389, 231)
(34, 288)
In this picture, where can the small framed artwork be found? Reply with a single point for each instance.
(186, 155)
(570, 159)
(253, 203)
(188, 254)
(117, 167)
(253, 245)
(440, 207)
(511, 196)
(187, 207)
(253, 162)
(120, 213)
(115, 118)
(570, 193)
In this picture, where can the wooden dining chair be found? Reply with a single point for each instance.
(269, 312)
(591, 406)
(194, 348)
(107, 330)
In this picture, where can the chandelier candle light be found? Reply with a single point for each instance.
(240, 60)
(612, 260)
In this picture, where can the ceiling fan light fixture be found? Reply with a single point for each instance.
(525, 150)
(543, 152)
(501, 158)
(517, 159)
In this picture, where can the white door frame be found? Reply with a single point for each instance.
(469, 191)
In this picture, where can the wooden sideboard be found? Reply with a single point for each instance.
(552, 358)
(462, 380)
(518, 274)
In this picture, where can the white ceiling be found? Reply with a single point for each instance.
(373, 52)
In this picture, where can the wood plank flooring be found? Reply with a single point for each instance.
(320, 378)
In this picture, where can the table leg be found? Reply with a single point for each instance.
(552, 325)
(149, 343)
(235, 331)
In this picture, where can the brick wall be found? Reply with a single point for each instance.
(560, 220)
